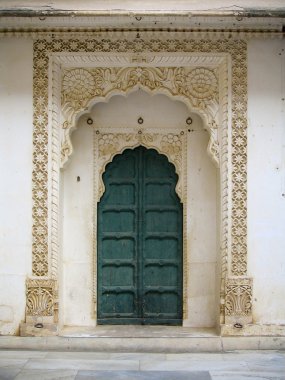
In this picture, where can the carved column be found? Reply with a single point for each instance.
(238, 286)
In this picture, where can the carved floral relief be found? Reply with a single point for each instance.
(238, 302)
(199, 86)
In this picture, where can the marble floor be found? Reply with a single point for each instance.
(67, 365)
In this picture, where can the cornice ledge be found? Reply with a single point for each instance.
(83, 33)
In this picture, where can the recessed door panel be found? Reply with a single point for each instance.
(122, 193)
(140, 241)
(118, 248)
(161, 248)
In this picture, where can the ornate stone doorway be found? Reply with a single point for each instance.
(208, 76)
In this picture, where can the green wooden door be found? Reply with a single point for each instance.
(140, 241)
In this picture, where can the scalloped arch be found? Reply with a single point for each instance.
(136, 145)
(171, 82)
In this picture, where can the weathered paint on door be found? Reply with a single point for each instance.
(140, 241)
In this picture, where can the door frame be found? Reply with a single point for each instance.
(61, 60)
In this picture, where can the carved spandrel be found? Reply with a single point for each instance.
(198, 87)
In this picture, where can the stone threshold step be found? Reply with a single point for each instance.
(143, 344)
(135, 331)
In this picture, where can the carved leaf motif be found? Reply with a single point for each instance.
(39, 302)
(41, 296)
(238, 297)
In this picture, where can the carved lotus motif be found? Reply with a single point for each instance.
(202, 83)
(78, 84)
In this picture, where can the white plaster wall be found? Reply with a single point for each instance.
(202, 233)
(266, 179)
(15, 186)
(77, 240)
(157, 111)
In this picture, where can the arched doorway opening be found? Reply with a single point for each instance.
(115, 125)
(140, 218)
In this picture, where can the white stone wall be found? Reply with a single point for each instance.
(202, 236)
(266, 199)
(16, 111)
(77, 227)
(266, 179)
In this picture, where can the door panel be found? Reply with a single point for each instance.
(140, 241)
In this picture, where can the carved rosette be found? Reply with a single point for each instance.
(197, 87)
(238, 301)
(41, 300)
(110, 144)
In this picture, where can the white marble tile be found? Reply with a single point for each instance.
(245, 375)
(275, 366)
(251, 355)
(17, 354)
(139, 375)
(9, 373)
(272, 362)
(82, 364)
(104, 355)
(76, 355)
(242, 377)
(137, 356)
(46, 375)
(187, 365)
(12, 363)
(195, 356)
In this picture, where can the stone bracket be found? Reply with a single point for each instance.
(29, 329)
(41, 308)
(41, 302)
(238, 301)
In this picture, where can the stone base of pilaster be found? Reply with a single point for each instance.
(38, 329)
(253, 330)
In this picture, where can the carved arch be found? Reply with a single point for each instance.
(108, 145)
(197, 87)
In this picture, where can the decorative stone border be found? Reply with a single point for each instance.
(200, 73)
